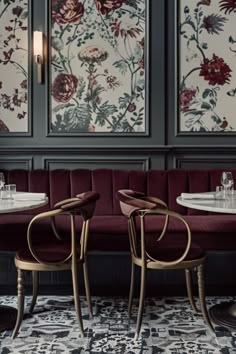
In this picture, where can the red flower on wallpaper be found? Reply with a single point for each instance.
(66, 11)
(216, 71)
(186, 96)
(204, 2)
(228, 6)
(142, 60)
(64, 87)
(105, 6)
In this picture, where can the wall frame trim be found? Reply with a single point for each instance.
(118, 135)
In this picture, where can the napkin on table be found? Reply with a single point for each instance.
(29, 196)
(197, 196)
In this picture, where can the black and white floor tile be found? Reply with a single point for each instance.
(169, 327)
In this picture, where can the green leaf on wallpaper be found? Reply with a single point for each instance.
(78, 119)
(62, 106)
(122, 65)
(124, 101)
(206, 106)
(216, 119)
(81, 87)
(24, 15)
(212, 102)
(138, 53)
(132, 3)
(105, 110)
(205, 93)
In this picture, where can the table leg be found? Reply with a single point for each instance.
(7, 317)
(224, 314)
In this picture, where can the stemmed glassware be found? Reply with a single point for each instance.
(227, 182)
(2, 182)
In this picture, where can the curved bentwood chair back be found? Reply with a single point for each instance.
(163, 253)
(58, 257)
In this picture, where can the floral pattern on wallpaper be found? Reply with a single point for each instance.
(97, 66)
(207, 66)
(13, 66)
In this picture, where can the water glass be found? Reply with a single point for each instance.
(8, 191)
(220, 193)
(2, 182)
(227, 181)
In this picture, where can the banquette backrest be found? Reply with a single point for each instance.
(164, 184)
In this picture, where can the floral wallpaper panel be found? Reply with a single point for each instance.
(97, 66)
(207, 66)
(13, 66)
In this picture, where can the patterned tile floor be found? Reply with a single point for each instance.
(169, 327)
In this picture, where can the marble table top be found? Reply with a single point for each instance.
(10, 205)
(216, 205)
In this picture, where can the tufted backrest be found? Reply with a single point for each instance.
(163, 184)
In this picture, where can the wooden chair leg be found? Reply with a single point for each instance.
(21, 298)
(141, 301)
(87, 287)
(131, 290)
(188, 277)
(35, 276)
(201, 289)
(76, 298)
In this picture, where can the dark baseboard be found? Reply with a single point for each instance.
(109, 275)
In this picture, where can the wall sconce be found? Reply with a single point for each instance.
(38, 54)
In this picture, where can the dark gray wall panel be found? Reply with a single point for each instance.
(100, 162)
(11, 163)
(204, 162)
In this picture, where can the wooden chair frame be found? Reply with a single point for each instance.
(145, 261)
(70, 262)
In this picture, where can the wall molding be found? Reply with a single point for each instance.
(110, 149)
(7, 162)
(103, 162)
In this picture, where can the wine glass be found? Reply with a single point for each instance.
(227, 181)
(2, 182)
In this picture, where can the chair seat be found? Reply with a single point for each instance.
(48, 253)
(169, 250)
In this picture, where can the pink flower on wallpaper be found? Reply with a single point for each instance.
(186, 96)
(66, 11)
(131, 107)
(105, 6)
(91, 128)
(215, 71)
(64, 87)
(117, 28)
(112, 82)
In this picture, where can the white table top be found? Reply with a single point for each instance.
(220, 206)
(10, 205)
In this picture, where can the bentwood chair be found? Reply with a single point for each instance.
(60, 256)
(163, 253)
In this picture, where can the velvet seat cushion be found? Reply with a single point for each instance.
(169, 250)
(51, 253)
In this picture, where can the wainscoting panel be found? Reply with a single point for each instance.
(204, 162)
(99, 162)
(12, 163)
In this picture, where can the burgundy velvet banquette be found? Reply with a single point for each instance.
(108, 228)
